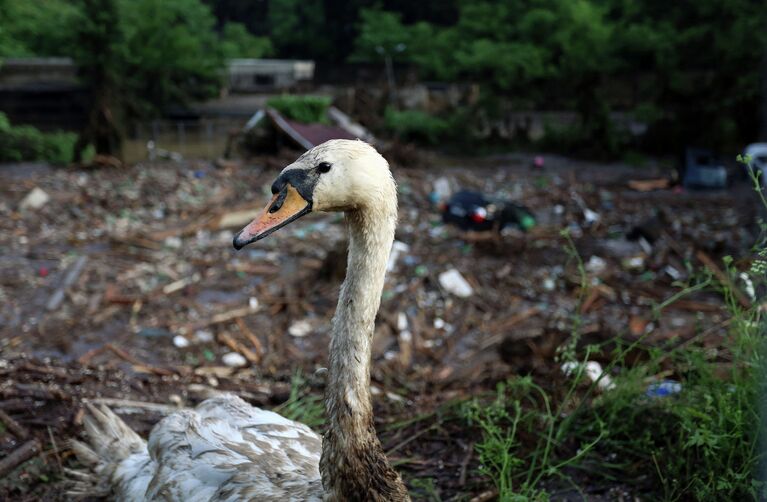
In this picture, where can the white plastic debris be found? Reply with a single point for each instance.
(439, 323)
(634, 263)
(749, 285)
(173, 242)
(401, 321)
(593, 371)
(454, 283)
(441, 189)
(203, 336)
(180, 342)
(234, 360)
(35, 199)
(300, 328)
(396, 249)
(253, 303)
(591, 216)
(672, 272)
(596, 265)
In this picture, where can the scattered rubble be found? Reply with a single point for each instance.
(123, 285)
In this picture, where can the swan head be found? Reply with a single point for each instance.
(338, 175)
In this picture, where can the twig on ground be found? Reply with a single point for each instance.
(17, 429)
(19, 456)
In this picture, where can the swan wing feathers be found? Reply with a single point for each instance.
(227, 450)
(223, 450)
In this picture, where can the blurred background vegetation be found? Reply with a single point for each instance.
(691, 72)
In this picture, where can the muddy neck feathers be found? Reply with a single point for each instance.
(353, 464)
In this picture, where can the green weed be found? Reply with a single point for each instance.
(19, 143)
(302, 405)
(307, 109)
(699, 444)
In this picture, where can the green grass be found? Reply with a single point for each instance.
(701, 444)
(303, 406)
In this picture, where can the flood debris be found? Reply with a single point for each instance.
(664, 388)
(475, 211)
(150, 304)
(72, 274)
(454, 283)
(35, 199)
(234, 359)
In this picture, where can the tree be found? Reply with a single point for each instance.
(297, 29)
(173, 54)
(100, 59)
(237, 42)
(37, 27)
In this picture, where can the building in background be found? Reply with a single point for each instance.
(265, 75)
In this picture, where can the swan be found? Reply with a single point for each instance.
(228, 450)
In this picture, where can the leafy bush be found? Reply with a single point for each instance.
(19, 143)
(415, 125)
(307, 109)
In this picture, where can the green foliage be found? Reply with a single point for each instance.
(702, 444)
(306, 109)
(302, 406)
(297, 28)
(20, 143)
(575, 54)
(172, 53)
(37, 27)
(414, 125)
(238, 42)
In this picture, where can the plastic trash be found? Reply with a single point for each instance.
(440, 190)
(596, 265)
(234, 360)
(593, 371)
(396, 249)
(300, 329)
(401, 322)
(454, 283)
(35, 199)
(663, 388)
(203, 336)
(152, 332)
(180, 342)
(173, 242)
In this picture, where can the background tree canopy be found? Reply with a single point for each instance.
(690, 70)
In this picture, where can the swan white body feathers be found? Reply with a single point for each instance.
(224, 450)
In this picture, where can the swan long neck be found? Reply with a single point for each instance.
(352, 457)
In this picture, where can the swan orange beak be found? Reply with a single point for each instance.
(285, 207)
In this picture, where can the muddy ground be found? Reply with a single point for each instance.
(124, 287)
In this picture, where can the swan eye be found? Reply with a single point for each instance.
(324, 167)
